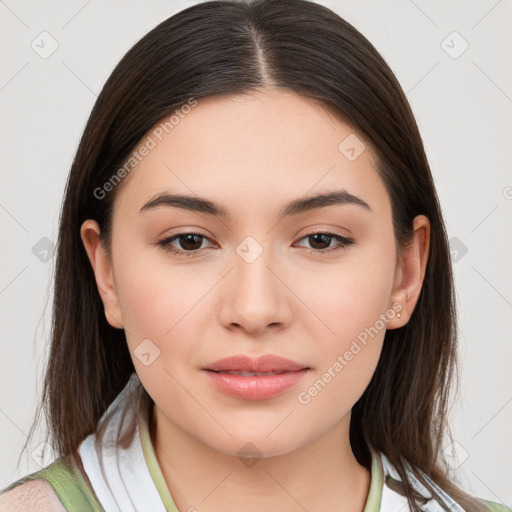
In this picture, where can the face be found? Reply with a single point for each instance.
(315, 286)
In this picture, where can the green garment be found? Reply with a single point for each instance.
(70, 485)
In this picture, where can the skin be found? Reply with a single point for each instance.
(253, 153)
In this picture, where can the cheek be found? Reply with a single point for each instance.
(346, 356)
(350, 304)
(153, 293)
(347, 297)
(148, 298)
(164, 303)
(161, 324)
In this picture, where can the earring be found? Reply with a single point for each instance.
(399, 314)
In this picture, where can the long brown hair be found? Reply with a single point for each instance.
(218, 48)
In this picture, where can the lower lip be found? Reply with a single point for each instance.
(257, 387)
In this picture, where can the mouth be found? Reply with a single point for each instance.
(250, 374)
(264, 364)
(247, 378)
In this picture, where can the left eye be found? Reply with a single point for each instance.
(325, 238)
(191, 243)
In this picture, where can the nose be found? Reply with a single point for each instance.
(254, 295)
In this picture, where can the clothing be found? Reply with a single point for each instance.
(118, 471)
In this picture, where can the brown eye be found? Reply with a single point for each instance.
(188, 244)
(321, 242)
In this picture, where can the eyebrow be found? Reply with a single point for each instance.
(295, 207)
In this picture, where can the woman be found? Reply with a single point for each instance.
(254, 305)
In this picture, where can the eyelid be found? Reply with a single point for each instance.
(337, 231)
(171, 238)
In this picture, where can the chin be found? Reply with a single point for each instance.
(257, 444)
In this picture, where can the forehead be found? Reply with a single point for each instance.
(252, 146)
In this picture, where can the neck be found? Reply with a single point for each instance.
(323, 475)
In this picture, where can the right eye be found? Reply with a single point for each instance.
(188, 242)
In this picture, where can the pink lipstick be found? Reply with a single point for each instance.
(255, 378)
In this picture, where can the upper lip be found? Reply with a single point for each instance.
(262, 364)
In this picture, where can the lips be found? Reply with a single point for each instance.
(247, 378)
(265, 364)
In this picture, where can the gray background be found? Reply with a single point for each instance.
(462, 101)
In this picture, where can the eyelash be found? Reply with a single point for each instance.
(164, 244)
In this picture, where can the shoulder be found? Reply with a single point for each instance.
(393, 487)
(492, 506)
(31, 495)
(58, 487)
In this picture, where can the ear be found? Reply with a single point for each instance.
(410, 272)
(102, 268)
